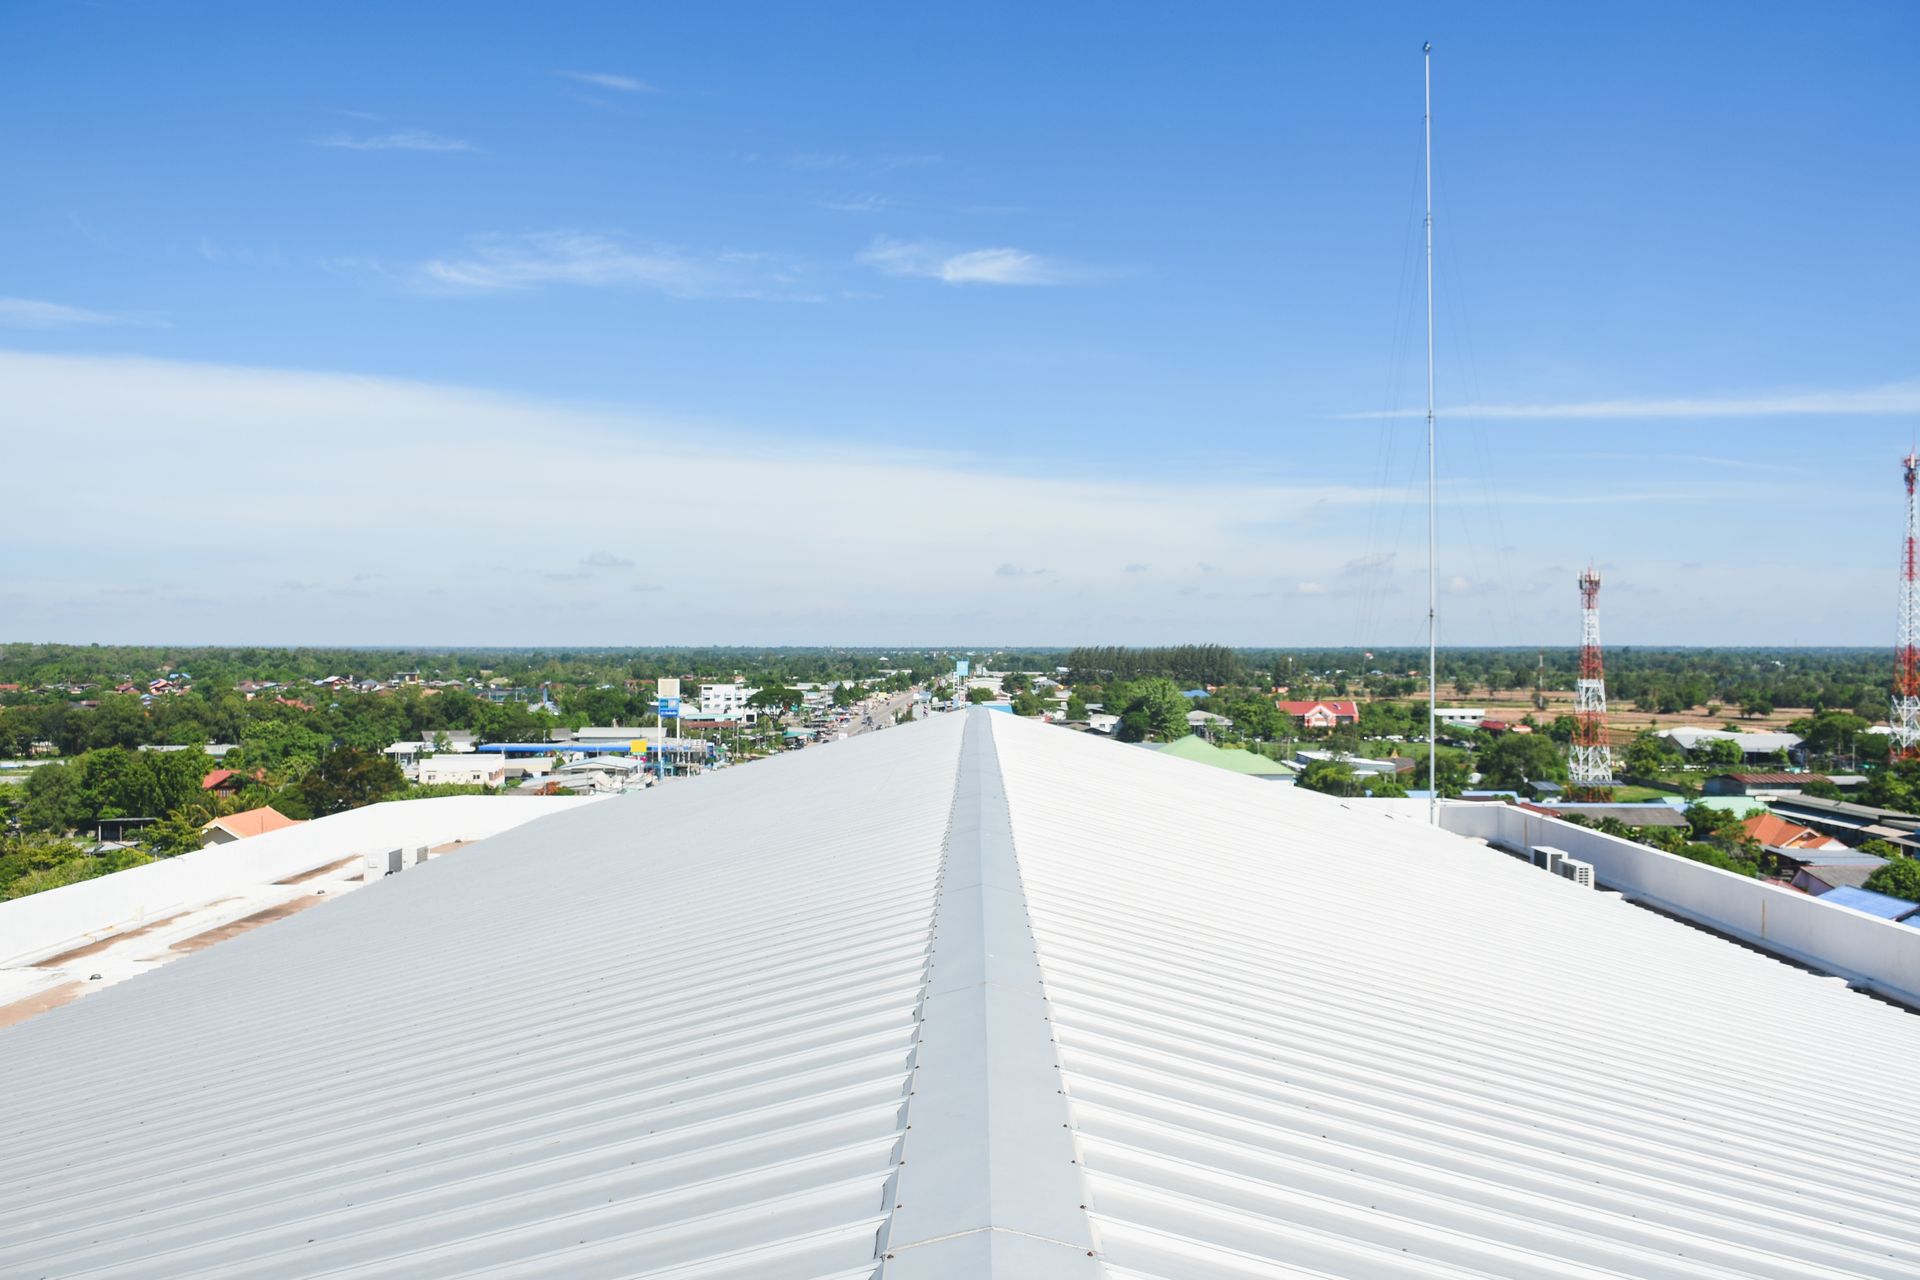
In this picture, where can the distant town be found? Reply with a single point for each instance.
(1775, 765)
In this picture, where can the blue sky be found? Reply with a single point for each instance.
(971, 324)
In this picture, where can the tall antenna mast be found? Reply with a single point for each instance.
(1906, 675)
(1590, 757)
(1433, 591)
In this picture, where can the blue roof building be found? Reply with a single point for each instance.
(1886, 906)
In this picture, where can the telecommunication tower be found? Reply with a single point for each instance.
(1590, 757)
(1905, 719)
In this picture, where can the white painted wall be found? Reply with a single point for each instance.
(463, 770)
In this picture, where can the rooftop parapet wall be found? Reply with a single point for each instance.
(45, 924)
(1876, 954)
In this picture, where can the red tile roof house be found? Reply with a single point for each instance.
(1323, 715)
(1770, 829)
(227, 782)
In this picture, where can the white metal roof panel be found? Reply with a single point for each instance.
(664, 1034)
(1458, 1065)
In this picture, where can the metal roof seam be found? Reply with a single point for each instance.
(989, 1182)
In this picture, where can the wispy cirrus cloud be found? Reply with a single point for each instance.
(866, 202)
(598, 260)
(400, 140)
(1001, 266)
(1890, 399)
(610, 80)
(827, 160)
(33, 313)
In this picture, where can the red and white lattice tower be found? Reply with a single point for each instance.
(1590, 758)
(1905, 719)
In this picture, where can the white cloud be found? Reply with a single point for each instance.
(910, 543)
(403, 140)
(903, 565)
(609, 80)
(606, 560)
(864, 203)
(845, 160)
(1896, 398)
(973, 266)
(585, 259)
(31, 313)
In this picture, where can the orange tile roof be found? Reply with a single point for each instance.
(1771, 829)
(252, 822)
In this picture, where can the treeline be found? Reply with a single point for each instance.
(33, 665)
(1197, 664)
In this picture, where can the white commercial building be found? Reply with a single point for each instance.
(725, 701)
(482, 769)
(1035, 1006)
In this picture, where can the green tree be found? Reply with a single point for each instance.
(1015, 681)
(1899, 878)
(177, 833)
(774, 699)
(1515, 759)
(1028, 703)
(285, 748)
(1707, 821)
(1650, 755)
(1716, 753)
(1830, 732)
(1331, 777)
(32, 862)
(1152, 708)
(978, 696)
(53, 801)
(347, 778)
(1076, 707)
(1385, 787)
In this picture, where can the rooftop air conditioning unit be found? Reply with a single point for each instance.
(1544, 856)
(1581, 873)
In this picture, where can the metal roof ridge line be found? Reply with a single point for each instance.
(988, 1183)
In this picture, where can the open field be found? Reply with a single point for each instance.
(1625, 721)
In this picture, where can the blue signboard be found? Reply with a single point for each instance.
(960, 668)
(669, 707)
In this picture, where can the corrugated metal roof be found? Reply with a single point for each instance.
(667, 1033)
(976, 998)
(1456, 1066)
